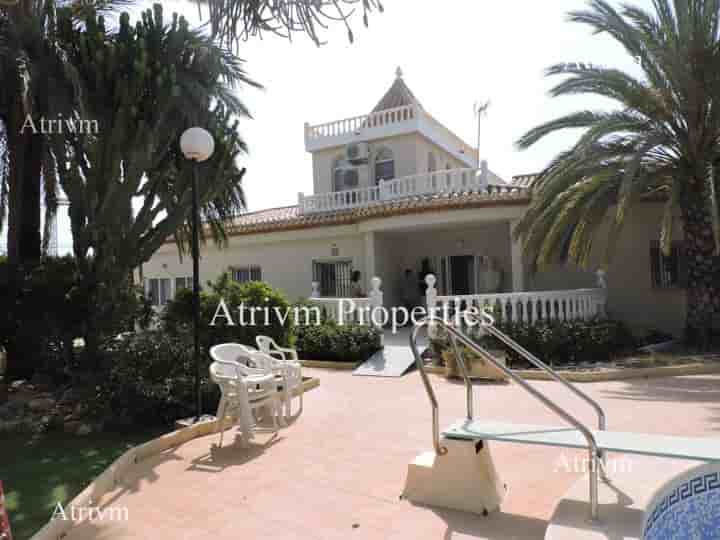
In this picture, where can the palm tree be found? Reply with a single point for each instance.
(28, 44)
(143, 84)
(24, 47)
(663, 139)
(234, 21)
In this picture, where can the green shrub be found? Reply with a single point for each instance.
(150, 379)
(48, 308)
(177, 318)
(563, 342)
(556, 343)
(332, 342)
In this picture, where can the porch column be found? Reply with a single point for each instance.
(369, 258)
(516, 259)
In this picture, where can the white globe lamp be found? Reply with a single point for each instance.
(197, 144)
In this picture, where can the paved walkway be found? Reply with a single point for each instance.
(337, 472)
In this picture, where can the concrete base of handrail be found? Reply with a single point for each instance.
(463, 479)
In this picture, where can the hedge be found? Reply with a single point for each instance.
(559, 343)
(332, 342)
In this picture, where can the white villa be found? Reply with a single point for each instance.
(396, 190)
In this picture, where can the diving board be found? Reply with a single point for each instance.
(692, 448)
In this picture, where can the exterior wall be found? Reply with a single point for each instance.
(406, 151)
(388, 265)
(386, 246)
(407, 250)
(443, 160)
(631, 295)
(285, 258)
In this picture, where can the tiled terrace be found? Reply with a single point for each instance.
(338, 471)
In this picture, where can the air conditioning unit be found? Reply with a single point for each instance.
(357, 152)
(350, 178)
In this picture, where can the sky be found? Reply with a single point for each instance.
(452, 53)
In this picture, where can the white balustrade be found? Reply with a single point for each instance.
(432, 183)
(530, 306)
(338, 200)
(355, 125)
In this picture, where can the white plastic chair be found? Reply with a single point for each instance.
(252, 359)
(268, 346)
(243, 390)
(287, 361)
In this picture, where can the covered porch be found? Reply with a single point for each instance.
(467, 258)
(430, 261)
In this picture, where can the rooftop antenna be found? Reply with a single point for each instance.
(480, 110)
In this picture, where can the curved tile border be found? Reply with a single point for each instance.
(109, 479)
(690, 501)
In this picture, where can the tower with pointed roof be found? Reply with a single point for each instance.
(398, 95)
(397, 138)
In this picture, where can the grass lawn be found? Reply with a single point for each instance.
(39, 473)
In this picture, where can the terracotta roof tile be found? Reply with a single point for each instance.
(290, 218)
(524, 180)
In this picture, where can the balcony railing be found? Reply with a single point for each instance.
(387, 123)
(434, 183)
(355, 125)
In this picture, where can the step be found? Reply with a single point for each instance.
(693, 448)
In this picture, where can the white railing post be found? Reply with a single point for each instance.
(431, 294)
(301, 201)
(382, 195)
(315, 293)
(602, 284)
(484, 175)
(376, 295)
(431, 303)
(376, 304)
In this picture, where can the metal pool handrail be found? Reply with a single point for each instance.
(594, 452)
(527, 355)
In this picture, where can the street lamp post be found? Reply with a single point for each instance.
(197, 145)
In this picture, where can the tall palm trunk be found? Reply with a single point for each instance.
(30, 245)
(703, 286)
(25, 150)
(23, 246)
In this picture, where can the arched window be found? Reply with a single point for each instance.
(384, 165)
(432, 164)
(344, 177)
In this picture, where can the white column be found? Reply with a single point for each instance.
(516, 259)
(369, 258)
(376, 300)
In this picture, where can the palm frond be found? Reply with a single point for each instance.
(661, 136)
